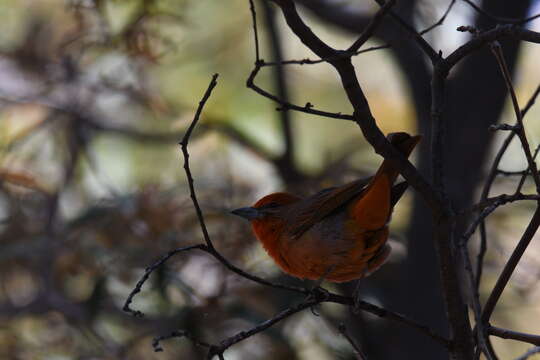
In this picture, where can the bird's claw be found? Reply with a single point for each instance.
(356, 304)
(356, 298)
(317, 294)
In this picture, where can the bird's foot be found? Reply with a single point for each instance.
(356, 297)
(356, 305)
(316, 295)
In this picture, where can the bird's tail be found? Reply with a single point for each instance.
(374, 207)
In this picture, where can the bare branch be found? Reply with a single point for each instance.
(484, 38)
(147, 272)
(372, 26)
(286, 161)
(156, 342)
(493, 172)
(420, 41)
(498, 19)
(308, 108)
(514, 335)
(184, 145)
(520, 129)
(255, 31)
(315, 297)
(313, 62)
(242, 335)
(529, 353)
(511, 265)
(441, 20)
(496, 201)
(356, 348)
(528, 171)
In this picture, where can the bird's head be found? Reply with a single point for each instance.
(268, 217)
(269, 206)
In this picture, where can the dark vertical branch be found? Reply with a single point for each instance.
(438, 130)
(255, 30)
(445, 243)
(481, 330)
(286, 164)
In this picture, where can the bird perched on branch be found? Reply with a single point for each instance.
(338, 234)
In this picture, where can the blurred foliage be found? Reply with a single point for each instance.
(94, 96)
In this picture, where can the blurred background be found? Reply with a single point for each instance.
(94, 97)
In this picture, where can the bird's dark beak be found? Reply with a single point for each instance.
(249, 213)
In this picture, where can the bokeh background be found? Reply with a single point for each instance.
(94, 97)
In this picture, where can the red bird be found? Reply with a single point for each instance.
(338, 234)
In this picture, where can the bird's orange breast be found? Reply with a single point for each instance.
(270, 232)
(335, 249)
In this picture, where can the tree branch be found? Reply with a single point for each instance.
(514, 335)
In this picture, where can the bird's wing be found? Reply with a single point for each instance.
(324, 203)
(329, 200)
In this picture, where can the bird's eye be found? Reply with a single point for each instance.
(271, 205)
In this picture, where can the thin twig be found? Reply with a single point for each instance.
(308, 61)
(511, 265)
(529, 353)
(184, 145)
(493, 172)
(498, 19)
(481, 254)
(285, 163)
(486, 211)
(531, 102)
(156, 342)
(511, 173)
(147, 272)
(384, 313)
(255, 31)
(481, 331)
(356, 348)
(242, 335)
(316, 297)
(497, 51)
(372, 26)
(441, 20)
(535, 221)
(308, 108)
(514, 335)
(285, 105)
(422, 43)
(527, 172)
(499, 201)
(217, 255)
(483, 38)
